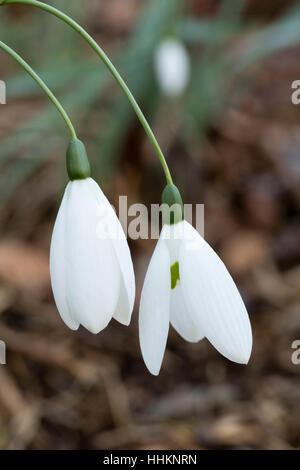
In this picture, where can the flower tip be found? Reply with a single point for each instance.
(242, 358)
(246, 359)
(153, 371)
(152, 365)
(93, 329)
(70, 323)
(123, 320)
(247, 355)
(74, 327)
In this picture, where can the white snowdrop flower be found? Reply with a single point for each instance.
(91, 274)
(188, 285)
(172, 66)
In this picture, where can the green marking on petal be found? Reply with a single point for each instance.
(174, 274)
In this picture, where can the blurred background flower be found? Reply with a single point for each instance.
(172, 66)
(232, 140)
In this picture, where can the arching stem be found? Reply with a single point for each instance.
(111, 68)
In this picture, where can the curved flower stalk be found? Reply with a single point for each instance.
(90, 264)
(188, 286)
(110, 66)
(91, 269)
(172, 66)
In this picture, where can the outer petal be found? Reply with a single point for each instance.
(127, 288)
(127, 291)
(155, 308)
(181, 319)
(58, 265)
(93, 273)
(213, 298)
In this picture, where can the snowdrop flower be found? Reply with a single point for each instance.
(188, 285)
(91, 275)
(172, 66)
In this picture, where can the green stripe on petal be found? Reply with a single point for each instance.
(174, 274)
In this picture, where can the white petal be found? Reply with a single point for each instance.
(93, 273)
(155, 308)
(172, 65)
(58, 265)
(181, 318)
(126, 299)
(127, 289)
(173, 235)
(213, 298)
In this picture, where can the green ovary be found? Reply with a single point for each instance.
(174, 274)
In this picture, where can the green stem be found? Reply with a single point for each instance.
(43, 86)
(111, 68)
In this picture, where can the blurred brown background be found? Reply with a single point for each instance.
(233, 143)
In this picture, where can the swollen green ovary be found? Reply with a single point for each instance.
(174, 274)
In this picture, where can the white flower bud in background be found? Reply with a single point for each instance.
(172, 67)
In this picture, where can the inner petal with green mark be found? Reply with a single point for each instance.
(174, 274)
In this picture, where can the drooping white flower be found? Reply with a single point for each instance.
(172, 66)
(90, 264)
(188, 285)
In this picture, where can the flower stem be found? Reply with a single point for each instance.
(43, 86)
(111, 68)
